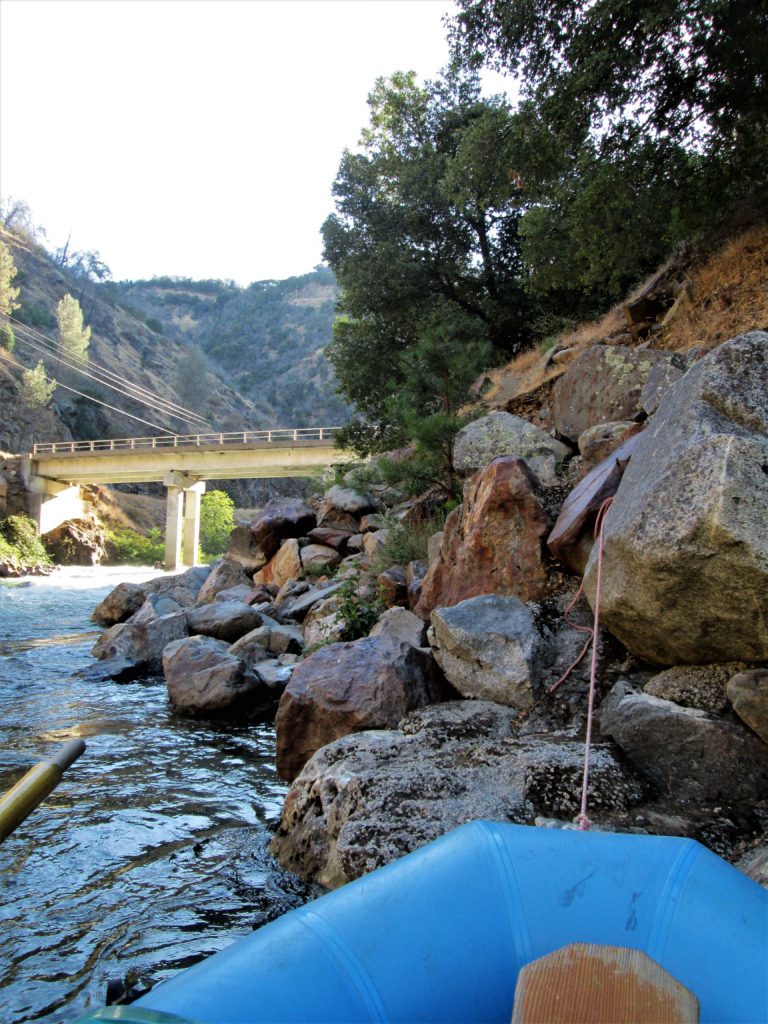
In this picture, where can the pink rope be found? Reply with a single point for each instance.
(584, 821)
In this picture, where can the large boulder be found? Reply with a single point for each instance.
(224, 575)
(182, 587)
(348, 687)
(253, 546)
(348, 499)
(487, 648)
(501, 433)
(603, 385)
(204, 678)
(142, 642)
(284, 565)
(492, 543)
(280, 519)
(685, 568)
(224, 620)
(685, 752)
(372, 797)
(119, 604)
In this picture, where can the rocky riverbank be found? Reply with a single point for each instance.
(451, 706)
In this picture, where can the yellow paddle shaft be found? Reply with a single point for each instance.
(19, 802)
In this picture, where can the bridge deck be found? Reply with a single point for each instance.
(224, 456)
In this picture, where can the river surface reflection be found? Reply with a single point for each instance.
(152, 853)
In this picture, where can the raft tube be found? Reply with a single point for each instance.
(441, 934)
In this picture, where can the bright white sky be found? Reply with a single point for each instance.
(196, 138)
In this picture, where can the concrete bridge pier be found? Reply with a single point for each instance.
(53, 503)
(182, 519)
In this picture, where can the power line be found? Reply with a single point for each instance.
(8, 358)
(131, 390)
(134, 391)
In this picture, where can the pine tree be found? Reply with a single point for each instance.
(35, 388)
(73, 337)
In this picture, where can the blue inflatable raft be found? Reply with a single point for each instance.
(442, 934)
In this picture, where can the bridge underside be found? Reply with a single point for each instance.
(182, 470)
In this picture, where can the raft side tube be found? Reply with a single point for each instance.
(441, 934)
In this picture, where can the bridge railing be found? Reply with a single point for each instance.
(186, 440)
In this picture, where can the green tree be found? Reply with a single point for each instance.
(424, 238)
(8, 296)
(192, 376)
(439, 372)
(35, 388)
(217, 521)
(74, 338)
(692, 70)
(678, 85)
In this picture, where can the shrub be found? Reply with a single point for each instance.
(20, 545)
(36, 315)
(406, 544)
(217, 521)
(358, 616)
(126, 546)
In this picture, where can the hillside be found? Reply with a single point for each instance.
(266, 340)
(263, 344)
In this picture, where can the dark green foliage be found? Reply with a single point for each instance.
(35, 315)
(424, 243)
(154, 325)
(7, 338)
(642, 124)
(20, 545)
(437, 376)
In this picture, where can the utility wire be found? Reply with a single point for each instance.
(135, 391)
(158, 408)
(8, 358)
(47, 347)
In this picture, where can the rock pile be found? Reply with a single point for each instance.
(454, 706)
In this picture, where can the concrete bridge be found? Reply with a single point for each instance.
(55, 471)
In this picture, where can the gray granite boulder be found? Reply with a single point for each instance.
(224, 575)
(142, 642)
(223, 620)
(369, 798)
(685, 577)
(501, 433)
(119, 604)
(603, 385)
(487, 647)
(686, 753)
(205, 679)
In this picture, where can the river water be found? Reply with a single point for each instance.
(152, 852)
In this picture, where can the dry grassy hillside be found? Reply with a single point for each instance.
(697, 305)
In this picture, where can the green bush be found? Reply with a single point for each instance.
(20, 545)
(125, 546)
(406, 544)
(36, 315)
(7, 339)
(358, 616)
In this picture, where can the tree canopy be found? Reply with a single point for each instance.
(424, 238)
(74, 338)
(689, 70)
